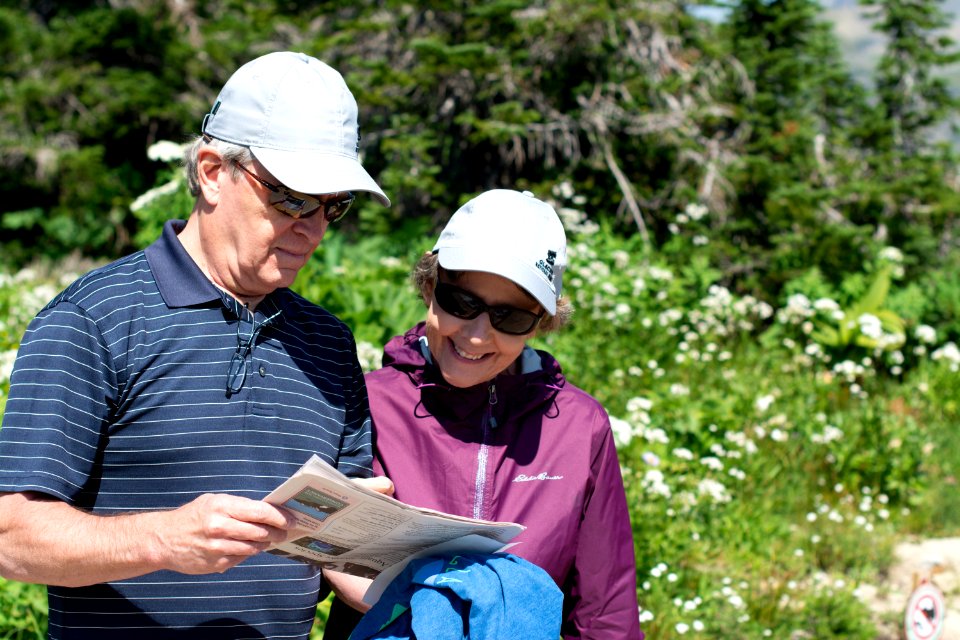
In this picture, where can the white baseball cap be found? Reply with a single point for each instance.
(299, 119)
(510, 234)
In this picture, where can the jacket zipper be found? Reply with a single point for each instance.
(480, 484)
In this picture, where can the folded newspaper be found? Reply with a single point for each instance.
(346, 527)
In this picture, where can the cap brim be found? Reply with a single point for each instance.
(460, 258)
(317, 173)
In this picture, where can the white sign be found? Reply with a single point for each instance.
(925, 613)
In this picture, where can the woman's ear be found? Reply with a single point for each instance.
(210, 165)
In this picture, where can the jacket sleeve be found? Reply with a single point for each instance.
(603, 594)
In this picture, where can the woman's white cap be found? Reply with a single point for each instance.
(510, 234)
(299, 119)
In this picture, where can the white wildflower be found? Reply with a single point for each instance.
(870, 325)
(826, 305)
(714, 490)
(695, 211)
(639, 404)
(650, 458)
(948, 352)
(370, 357)
(165, 151)
(891, 254)
(925, 334)
(763, 402)
(656, 435)
(146, 198)
(712, 463)
(622, 431)
(662, 275)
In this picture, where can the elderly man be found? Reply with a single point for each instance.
(156, 400)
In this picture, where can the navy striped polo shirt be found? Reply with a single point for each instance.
(119, 403)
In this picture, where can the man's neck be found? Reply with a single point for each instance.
(190, 239)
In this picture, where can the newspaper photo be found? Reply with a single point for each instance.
(345, 527)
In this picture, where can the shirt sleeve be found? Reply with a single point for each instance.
(604, 577)
(55, 421)
(356, 449)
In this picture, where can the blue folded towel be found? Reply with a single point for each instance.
(477, 596)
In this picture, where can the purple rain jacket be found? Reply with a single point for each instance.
(528, 448)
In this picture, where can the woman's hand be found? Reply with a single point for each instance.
(380, 484)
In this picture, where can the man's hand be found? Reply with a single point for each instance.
(216, 532)
(45, 540)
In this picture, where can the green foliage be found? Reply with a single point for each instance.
(725, 437)
(23, 611)
(84, 94)
(730, 195)
(380, 301)
(323, 612)
(831, 617)
(913, 95)
(765, 484)
(644, 108)
(848, 327)
(171, 200)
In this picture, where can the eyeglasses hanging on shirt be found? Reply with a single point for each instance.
(246, 341)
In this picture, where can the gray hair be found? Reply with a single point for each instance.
(427, 269)
(231, 153)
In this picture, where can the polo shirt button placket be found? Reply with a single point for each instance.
(263, 371)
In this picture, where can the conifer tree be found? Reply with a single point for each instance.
(913, 160)
(802, 107)
(912, 90)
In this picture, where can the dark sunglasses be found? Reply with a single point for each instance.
(300, 205)
(466, 306)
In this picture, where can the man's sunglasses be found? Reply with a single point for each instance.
(300, 205)
(466, 306)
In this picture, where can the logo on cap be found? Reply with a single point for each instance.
(547, 266)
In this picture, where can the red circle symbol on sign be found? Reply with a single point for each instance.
(924, 615)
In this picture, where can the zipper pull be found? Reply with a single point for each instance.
(492, 421)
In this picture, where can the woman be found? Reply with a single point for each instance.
(470, 420)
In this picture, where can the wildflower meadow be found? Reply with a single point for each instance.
(773, 450)
(764, 245)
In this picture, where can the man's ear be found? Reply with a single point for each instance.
(210, 166)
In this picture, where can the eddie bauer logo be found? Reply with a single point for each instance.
(540, 476)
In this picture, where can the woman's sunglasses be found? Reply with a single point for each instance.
(466, 306)
(300, 205)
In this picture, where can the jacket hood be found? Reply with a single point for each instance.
(513, 395)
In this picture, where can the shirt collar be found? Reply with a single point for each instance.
(183, 284)
(180, 280)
